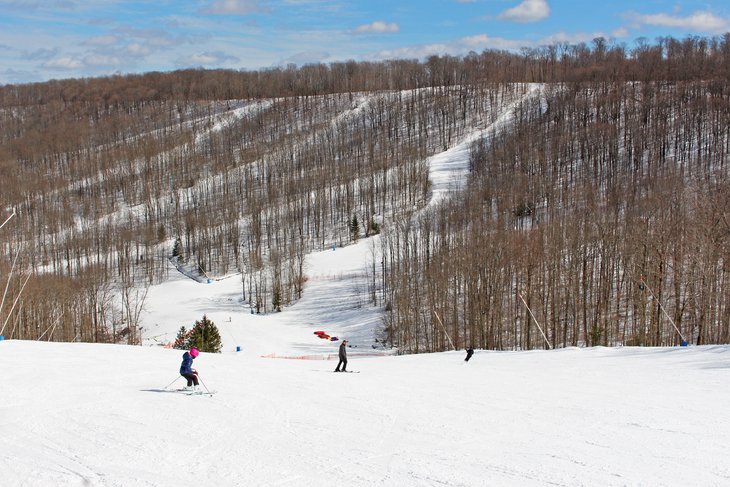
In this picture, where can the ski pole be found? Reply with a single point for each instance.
(171, 383)
(201, 381)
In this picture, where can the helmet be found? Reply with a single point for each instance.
(194, 352)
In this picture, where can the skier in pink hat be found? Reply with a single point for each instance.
(187, 370)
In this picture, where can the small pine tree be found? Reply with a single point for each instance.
(355, 228)
(181, 341)
(373, 228)
(177, 250)
(276, 299)
(205, 336)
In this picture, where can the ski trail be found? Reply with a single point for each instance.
(338, 293)
(448, 170)
(228, 118)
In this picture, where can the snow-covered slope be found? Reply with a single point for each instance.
(81, 414)
(335, 300)
(336, 297)
(104, 415)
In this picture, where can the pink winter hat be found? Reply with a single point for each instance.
(194, 352)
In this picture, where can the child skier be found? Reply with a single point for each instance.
(187, 370)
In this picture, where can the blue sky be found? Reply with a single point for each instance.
(46, 39)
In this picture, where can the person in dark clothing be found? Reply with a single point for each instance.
(187, 370)
(343, 357)
(469, 353)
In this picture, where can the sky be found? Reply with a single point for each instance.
(54, 39)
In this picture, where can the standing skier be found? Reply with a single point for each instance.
(343, 357)
(187, 370)
(469, 353)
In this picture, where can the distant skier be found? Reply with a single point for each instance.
(343, 357)
(469, 353)
(187, 370)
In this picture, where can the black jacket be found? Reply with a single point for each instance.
(343, 351)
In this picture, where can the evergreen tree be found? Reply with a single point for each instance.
(177, 250)
(205, 336)
(355, 228)
(276, 298)
(181, 341)
(373, 228)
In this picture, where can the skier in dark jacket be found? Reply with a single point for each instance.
(469, 353)
(343, 357)
(187, 370)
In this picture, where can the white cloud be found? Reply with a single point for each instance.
(700, 21)
(207, 58)
(19, 76)
(102, 60)
(155, 38)
(527, 11)
(377, 27)
(64, 63)
(234, 7)
(455, 48)
(136, 49)
(481, 42)
(307, 57)
(563, 37)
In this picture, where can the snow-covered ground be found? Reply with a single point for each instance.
(335, 300)
(81, 414)
(104, 415)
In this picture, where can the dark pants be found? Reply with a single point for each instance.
(192, 379)
(343, 362)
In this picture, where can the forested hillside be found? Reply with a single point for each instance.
(603, 206)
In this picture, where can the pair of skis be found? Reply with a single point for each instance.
(190, 392)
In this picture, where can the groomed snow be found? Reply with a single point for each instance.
(82, 414)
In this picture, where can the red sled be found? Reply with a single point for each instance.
(319, 333)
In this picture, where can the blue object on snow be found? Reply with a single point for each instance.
(238, 349)
(210, 280)
(2, 338)
(683, 344)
